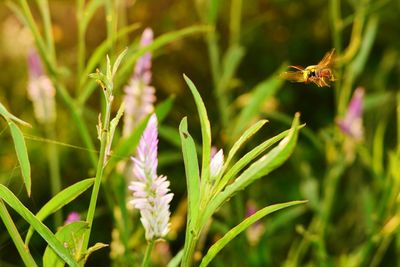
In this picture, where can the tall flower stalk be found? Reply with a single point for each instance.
(150, 191)
(105, 130)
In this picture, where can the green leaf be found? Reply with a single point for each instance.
(60, 200)
(266, 164)
(174, 262)
(42, 229)
(164, 108)
(191, 170)
(221, 243)
(94, 248)
(71, 235)
(249, 157)
(170, 134)
(243, 139)
(15, 236)
(118, 62)
(231, 62)
(95, 60)
(158, 42)
(261, 93)
(22, 154)
(8, 116)
(205, 131)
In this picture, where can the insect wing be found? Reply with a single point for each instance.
(293, 76)
(327, 60)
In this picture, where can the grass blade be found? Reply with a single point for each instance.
(205, 130)
(42, 229)
(60, 200)
(221, 243)
(191, 169)
(15, 236)
(266, 164)
(22, 154)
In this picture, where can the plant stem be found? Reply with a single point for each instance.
(99, 173)
(189, 248)
(15, 236)
(81, 42)
(147, 255)
(54, 167)
(48, 31)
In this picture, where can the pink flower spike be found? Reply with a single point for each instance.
(139, 94)
(40, 90)
(150, 191)
(72, 217)
(352, 124)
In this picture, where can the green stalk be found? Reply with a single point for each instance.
(99, 173)
(146, 259)
(48, 31)
(54, 167)
(111, 22)
(189, 248)
(15, 236)
(81, 42)
(235, 22)
(61, 90)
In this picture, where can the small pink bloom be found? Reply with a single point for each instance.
(352, 123)
(72, 217)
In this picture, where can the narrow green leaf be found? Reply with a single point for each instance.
(266, 164)
(118, 62)
(15, 236)
(261, 93)
(249, 157)
(164, 108)
(60, 200)
(89, 85)
(8, 116)
(205, 130)
(174, 262)
(22, 154)
(221, 243)
(71, 235)
(169, 134)
(158, 42)
(191, 170)
(243, 139)
(42, 229)
(94, 248)
(378, 146)
(231, 62)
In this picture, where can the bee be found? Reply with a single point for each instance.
(321, 74)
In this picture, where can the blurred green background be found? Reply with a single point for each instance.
(273, 34)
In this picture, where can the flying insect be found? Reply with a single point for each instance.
(321, 74)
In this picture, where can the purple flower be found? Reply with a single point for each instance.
(40, 90)
(352, 124)
(150, 191)
(139, 95)
(72, 217)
